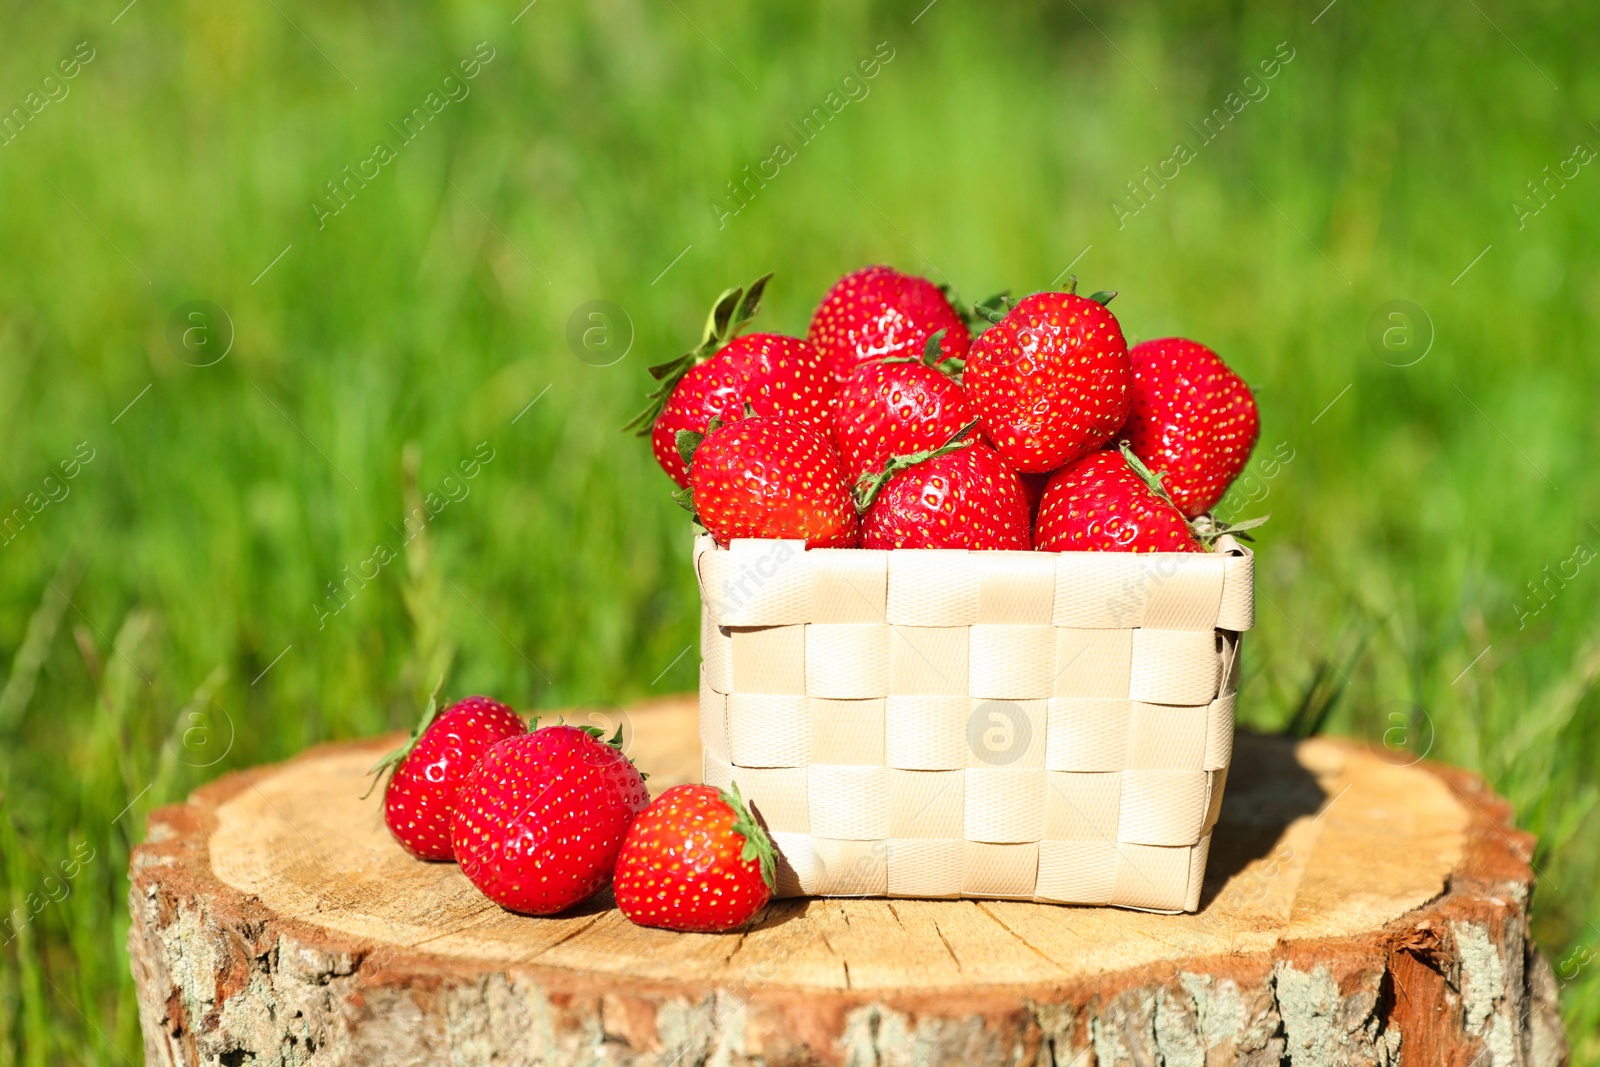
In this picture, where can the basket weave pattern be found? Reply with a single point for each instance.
(1022, 725)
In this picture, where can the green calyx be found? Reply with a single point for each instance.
(1206, 529)
(993, 309)
(615, 740)
(734, 310)
(1149, 477)
(688, 443)
(1103, 297)
(393, 760)
(684, 498)
(986, 313)
(867, 489)
(950, 368)
(757, 845)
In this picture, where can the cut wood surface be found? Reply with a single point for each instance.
(1358, 909)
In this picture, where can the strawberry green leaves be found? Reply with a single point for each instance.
(1206, 529)
(734, 310)
(1102, 297)
(398, 756)
(993, 309)
(868, 488)
(757, 845)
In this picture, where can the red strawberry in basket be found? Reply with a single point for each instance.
(772, 374)
(540, 820)
(1050, 380)
(1193, 419)
(431, 767)
(695, 860)
(962, 495)
(766, 476)
(895, 407)
(876, 312)
(1102, 504)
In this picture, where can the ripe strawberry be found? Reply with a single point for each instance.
(695, 860)
(894, 407)
(540, 819)
(1101, 504)
(959, 496)
(1051, 380)
(1192, 419)
(772, 374)
(766, 476)
(431, 767)
(876, 312)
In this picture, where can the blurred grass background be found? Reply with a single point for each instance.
(169, 616)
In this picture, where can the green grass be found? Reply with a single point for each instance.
(198, 543)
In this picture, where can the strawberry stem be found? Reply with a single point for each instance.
(867, 489)
(1206, 529)
(734, 310)
(1150, 478)
(757, 845)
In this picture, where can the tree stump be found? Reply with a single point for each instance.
(1356, 911)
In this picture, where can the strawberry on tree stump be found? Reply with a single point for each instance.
(1359, 909)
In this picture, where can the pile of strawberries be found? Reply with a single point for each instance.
(901, 422)
(543, 818)
(889, 426)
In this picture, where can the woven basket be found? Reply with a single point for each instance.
(1018, 725)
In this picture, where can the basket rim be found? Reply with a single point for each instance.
(1226, 545)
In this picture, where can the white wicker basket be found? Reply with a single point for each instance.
(1023, 725)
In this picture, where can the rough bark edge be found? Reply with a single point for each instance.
(222, 980)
